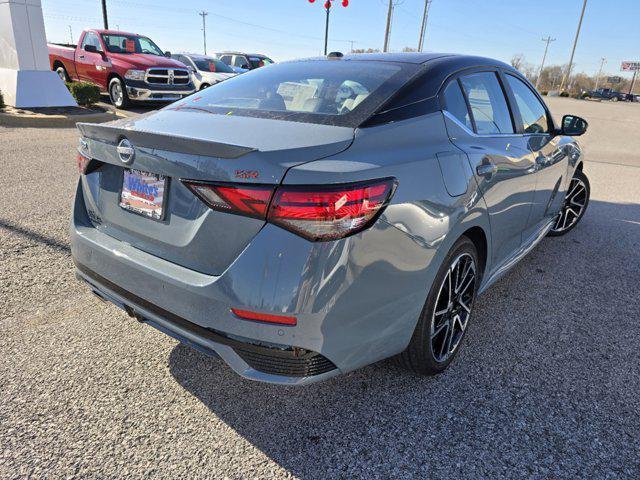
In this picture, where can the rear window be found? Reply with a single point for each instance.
(212, 65)
(257, 62)
(342, 93)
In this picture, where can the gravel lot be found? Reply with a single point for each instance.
(546, 386)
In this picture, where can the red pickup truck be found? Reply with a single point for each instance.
(129, 67)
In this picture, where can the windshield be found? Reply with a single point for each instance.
(257, 62)
(342, 93)
(130, 44)
(212, 65)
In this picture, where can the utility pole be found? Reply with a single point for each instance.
(544, 57)
(104, 15)
(203, 14)
(565, 78)
(326, 27)
(633, 81)
(352, 42)
(70, 35)
(602, 62)
(425, 15)
(387, 33)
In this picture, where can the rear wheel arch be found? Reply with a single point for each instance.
(579, 167)
(479, 238)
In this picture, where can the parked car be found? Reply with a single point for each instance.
(299, 233)
(608, 94)
(243, 62)
(206, 71)
(127, 66)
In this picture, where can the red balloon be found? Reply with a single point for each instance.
(311, 1)
(327, 4)
(345, 3)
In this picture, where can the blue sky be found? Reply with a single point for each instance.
(285, 29)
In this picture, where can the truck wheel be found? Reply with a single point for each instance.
(118, 94)
(614, 99)
(62, 73)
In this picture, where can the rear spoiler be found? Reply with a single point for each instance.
(160, 141)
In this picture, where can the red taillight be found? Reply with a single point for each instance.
(328, 213)
(249, 200)
(264, 317)
(82, 162)
(317, 213)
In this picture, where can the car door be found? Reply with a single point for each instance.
(547, 148)
(481, 124)
(92, 67)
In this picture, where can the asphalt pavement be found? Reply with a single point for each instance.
(547, 384)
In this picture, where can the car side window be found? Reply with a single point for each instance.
(488, 104)
(226, 59)
(456, 105)
(533, 113)
(240, 61)
(91, 38)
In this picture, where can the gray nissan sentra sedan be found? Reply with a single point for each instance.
(312, 217)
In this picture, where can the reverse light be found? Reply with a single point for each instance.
(134, 74)
(317, 213)
(264, 317)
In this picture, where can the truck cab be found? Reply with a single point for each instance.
(127, 66)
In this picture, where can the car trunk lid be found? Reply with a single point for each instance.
(190, 145)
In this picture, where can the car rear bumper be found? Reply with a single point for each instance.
(354, 303)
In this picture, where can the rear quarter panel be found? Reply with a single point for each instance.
(386, 280)
(64, 55)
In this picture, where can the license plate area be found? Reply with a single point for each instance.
(144, 193)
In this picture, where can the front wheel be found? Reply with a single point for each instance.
(446, 313)
(118, 94)
(575, 204)
(204, 85)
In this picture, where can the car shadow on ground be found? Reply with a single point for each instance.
(542, 355)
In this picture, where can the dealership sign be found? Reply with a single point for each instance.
(630, 66)
(614, 79)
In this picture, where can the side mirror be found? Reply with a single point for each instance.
(573, 126)
(90, 48)
(167, 54)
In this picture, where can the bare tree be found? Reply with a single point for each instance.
(367, 50)
(517, 61)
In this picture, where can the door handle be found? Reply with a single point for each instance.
(81, 57)
(487, 169)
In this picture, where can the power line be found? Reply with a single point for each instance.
(203, 14)
(548, 40)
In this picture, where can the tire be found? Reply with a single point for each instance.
(118, 94)
(204, 85)
(614, 99)
(565, 221)
(424, 353)
(62, 73)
